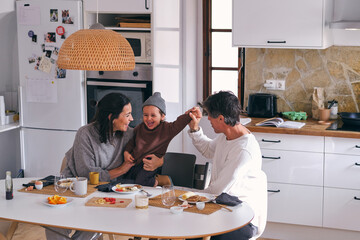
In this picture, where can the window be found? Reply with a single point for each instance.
(223, 67)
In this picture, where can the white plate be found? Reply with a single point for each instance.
(69, 201)
(126, 185)
(210, 197)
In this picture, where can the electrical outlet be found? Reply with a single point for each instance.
(270, 84)
(273, 84)
(280, 85)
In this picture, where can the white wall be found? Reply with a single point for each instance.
(9, 81)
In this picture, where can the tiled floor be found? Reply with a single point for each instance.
(35, 232)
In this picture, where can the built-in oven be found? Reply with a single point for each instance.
(135, 84)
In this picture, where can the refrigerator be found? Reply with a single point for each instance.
(51, 99)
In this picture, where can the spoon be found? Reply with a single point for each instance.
(147, 194)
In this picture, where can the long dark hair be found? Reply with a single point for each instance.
(111, 104)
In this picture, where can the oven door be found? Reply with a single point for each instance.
(137, 92)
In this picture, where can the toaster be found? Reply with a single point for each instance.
(263, 105)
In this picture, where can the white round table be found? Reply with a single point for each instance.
(153, 222)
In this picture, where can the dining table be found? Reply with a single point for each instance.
(153, 222)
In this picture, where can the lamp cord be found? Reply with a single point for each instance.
(97, 11)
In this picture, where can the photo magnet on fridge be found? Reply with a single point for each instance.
(54, 15)
(34, 38)
(66, 19)
(50, 37)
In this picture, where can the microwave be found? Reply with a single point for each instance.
(141, 45)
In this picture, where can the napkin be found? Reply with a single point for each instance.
(105, 187)
(49, 180)
(228, 200)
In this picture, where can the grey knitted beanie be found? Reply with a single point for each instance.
(157, 101)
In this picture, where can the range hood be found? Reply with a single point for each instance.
(347, 25)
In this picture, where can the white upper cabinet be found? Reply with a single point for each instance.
(122, 6)
(282, 23)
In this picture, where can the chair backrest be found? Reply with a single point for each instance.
(63, 164)
(202, 175)
(180, 167)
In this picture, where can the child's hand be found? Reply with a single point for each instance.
(152, 162)
(128, 157)
(195, 111)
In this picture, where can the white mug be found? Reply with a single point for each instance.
(79, 186)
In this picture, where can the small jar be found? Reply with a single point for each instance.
(333, 110)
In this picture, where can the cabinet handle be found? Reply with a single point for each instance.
(274, 190)
(273, 157)
(146, 5)
(273, 141)
(276, 41)
(356, 198)
(357, 164)
(357, 146)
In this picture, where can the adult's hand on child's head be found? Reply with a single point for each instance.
(152, 162)
(128, 157)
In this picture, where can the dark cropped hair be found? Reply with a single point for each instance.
(112, 103)
(223, 103)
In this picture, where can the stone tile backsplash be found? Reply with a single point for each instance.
(336, 69)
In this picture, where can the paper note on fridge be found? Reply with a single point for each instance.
(41, 90)
(29, 15)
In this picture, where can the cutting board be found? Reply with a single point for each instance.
(119, 203)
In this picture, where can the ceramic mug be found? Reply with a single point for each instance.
(94, 178)
(324, 114)
(79, 186)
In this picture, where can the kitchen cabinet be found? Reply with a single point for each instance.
(122, 6)
(282, 23)
(342, 183)
(294, 168)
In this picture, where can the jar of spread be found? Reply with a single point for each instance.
(333, 109)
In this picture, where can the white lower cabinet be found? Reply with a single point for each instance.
(342, 183)
(295, 204)
(312, 181)
(341, 209)
(294, 168)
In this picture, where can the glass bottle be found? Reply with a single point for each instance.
(9, 186)
(333, 109)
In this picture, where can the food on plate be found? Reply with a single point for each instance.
(56, 199)
(106, 200)
(120, 188)
(192, 197)
(186, 195)
(185, 205)
(30, 188)
(65, 183)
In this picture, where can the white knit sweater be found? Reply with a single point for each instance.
(236, 170)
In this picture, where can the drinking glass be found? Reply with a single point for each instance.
(59, 184)
(168, 195)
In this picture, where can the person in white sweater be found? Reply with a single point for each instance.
(236, 160)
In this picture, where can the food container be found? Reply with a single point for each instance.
(39, 185)
(176, 210)
(141, 201)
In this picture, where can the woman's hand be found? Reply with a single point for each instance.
(152, 162)
(128, 157)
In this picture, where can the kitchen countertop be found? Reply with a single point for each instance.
(312, 128)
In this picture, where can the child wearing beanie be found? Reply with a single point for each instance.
(152, 136)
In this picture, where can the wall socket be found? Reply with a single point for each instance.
(273, 84)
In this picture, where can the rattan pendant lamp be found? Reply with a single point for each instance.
(96, 49)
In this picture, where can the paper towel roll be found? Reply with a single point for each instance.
(2, 110)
